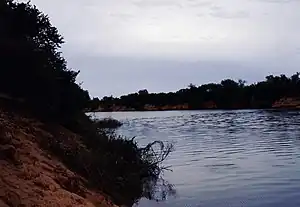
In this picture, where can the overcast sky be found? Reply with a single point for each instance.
(121, 46)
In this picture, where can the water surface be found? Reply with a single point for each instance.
(224, 158)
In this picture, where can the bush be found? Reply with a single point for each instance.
(114, 164)
(108, 123)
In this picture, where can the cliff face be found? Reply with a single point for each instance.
(287, 103)
(30, 176)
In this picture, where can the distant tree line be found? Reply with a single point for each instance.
(32, 67)
(228, 94)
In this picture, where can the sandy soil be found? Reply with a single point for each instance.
(30, 176)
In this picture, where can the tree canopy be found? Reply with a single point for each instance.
(32, 66)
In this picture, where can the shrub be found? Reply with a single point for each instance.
(114, 164)
(107, 123)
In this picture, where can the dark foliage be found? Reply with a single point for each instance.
(108, 123)
(228, 94)
(32, 67)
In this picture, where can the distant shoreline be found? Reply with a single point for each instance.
(291, 103)
(219, 109)
(274, 92)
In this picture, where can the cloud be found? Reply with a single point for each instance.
(230, 15)
(172, 3)
(122, 16)
(278, 1)
(175, 42)
(223, 12)
(196, 3)
(156, 3)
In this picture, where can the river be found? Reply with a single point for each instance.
(247, 158)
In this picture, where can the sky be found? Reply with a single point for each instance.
(122, 46)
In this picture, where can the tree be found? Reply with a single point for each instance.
(227, 95)
(32, 65)
(192, 86)
(143, 92)
(242, 82)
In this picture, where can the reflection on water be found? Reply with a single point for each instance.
(225, 158)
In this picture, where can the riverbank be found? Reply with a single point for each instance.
(44, 127)
(81, 164)
(30, 175)
(283, 103)
(287, 103)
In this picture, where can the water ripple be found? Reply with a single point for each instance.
(247, 158)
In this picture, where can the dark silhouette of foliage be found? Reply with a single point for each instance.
(116, 165)
(108, 123)
(32, 66)
(228, 94)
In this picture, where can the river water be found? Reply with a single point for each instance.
(247, 158)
